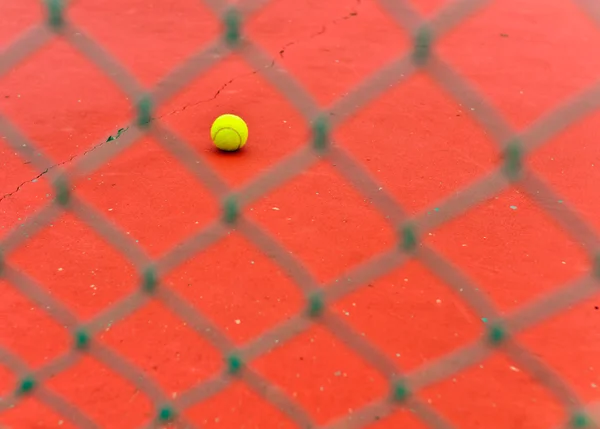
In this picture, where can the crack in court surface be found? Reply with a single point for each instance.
(44, 172)
(322, 31)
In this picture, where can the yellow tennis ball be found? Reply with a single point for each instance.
(229, 132)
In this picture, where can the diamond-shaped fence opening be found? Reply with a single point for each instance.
(403, 388)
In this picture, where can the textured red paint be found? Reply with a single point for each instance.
(419, 144)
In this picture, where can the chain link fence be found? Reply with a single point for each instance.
(512, 171)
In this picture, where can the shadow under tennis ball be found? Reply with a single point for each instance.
(229, 153)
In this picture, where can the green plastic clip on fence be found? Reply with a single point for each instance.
(149, 280)
(320, 130)
(166, 414)
(422, 46)
(231, 211)
(55, 14)
(496, 335)
(232, 21)
(63, 192)
(26, 386)
(316, 305)
(408, 238)
(400, 391)
(513, 160)
(144, 110)
(580, 420)
(234, 365)
(82, 340)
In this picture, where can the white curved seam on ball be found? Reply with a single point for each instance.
(232, 129)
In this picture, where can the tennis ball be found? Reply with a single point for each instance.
(229, 132)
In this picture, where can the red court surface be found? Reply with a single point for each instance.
(417, 142)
